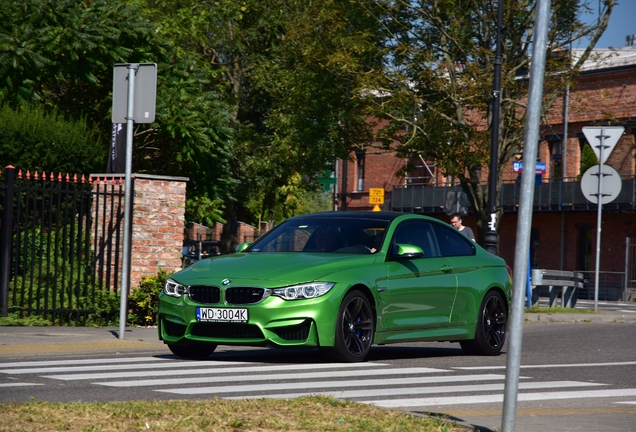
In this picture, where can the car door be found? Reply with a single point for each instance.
(460, 251)
(421, 288)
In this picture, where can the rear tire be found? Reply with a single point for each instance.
(355, 328)
(192, 351)
(490, 333)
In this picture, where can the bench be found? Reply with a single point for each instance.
(567, 281)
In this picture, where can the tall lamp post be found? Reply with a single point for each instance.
(491, 239)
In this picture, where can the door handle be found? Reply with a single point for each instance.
(447, 268)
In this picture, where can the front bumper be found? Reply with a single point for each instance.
(274, 321)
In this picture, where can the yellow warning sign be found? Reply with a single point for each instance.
(376, 196)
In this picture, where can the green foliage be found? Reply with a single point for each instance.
(144, 300)
(287, 83)
(588, 159)
(60, 53)
(14, 319)
(32, 139)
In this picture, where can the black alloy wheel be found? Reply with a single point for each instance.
(490, 333)
(355, 328)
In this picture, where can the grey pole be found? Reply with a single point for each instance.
(599, 215)
(524, 224)
(125, 271)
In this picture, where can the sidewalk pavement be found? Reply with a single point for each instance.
(37, 341)
(40, 341)
(33, 342)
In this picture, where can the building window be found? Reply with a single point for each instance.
(534, 247)
(584, 247)
(360, 157)
(555, 143)
(421, 170)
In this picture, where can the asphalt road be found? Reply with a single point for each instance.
(572, 373)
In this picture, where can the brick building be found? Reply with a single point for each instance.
(564, 221)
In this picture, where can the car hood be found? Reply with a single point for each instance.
(269, 269)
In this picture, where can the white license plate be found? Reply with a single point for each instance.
(221, 314)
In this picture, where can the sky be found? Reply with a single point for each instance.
(622, 23)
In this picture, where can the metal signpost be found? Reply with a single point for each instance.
(601, 183)
(126, 110)
(524, 223)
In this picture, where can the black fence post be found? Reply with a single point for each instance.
(6, 238)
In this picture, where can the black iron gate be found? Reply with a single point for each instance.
(60, 247)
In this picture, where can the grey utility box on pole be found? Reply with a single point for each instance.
(145, 93)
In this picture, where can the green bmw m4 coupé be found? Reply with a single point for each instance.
(341, 282)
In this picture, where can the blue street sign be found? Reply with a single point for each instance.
(517, 166)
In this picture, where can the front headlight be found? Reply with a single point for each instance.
(304, 291)
(174, 289)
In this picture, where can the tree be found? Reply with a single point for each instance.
(286, 69)
(437, 86)
(36, 140)
(58, 55)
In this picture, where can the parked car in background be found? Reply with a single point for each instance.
(194, 250)
(341, 282)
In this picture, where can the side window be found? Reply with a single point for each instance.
(451, 243)
(419, 234)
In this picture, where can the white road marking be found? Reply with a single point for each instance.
(465, 400)
(81, 362)
(185, 364)
(268, 377)
(549, 366)
(175, 370)
(327, 384)
(345, 394)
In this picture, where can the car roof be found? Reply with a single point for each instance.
(386, 216)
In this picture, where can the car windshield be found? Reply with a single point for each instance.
(324, 235)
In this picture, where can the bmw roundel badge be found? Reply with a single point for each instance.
(226, 281)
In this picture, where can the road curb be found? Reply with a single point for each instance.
(75, 347)
(582, 317)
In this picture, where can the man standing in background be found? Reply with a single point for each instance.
(456, 221)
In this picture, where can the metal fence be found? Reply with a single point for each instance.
(611, 286)
(548, 196)
(60, 247)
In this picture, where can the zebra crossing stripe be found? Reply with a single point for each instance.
(110, 367)
(175, 369)
(27, 364)
(548, 366)
(325, 384)
(348, 394)
(18, 384)
(268, 377)
(465, 400)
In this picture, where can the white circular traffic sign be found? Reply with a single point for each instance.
(611, 185)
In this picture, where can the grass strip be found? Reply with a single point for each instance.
(312, 413)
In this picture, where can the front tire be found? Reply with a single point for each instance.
(355, 327)
(490, 333)
(192, 351)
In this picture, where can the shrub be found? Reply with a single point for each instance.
(144, 300)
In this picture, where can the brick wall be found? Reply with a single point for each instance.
(157, 223)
